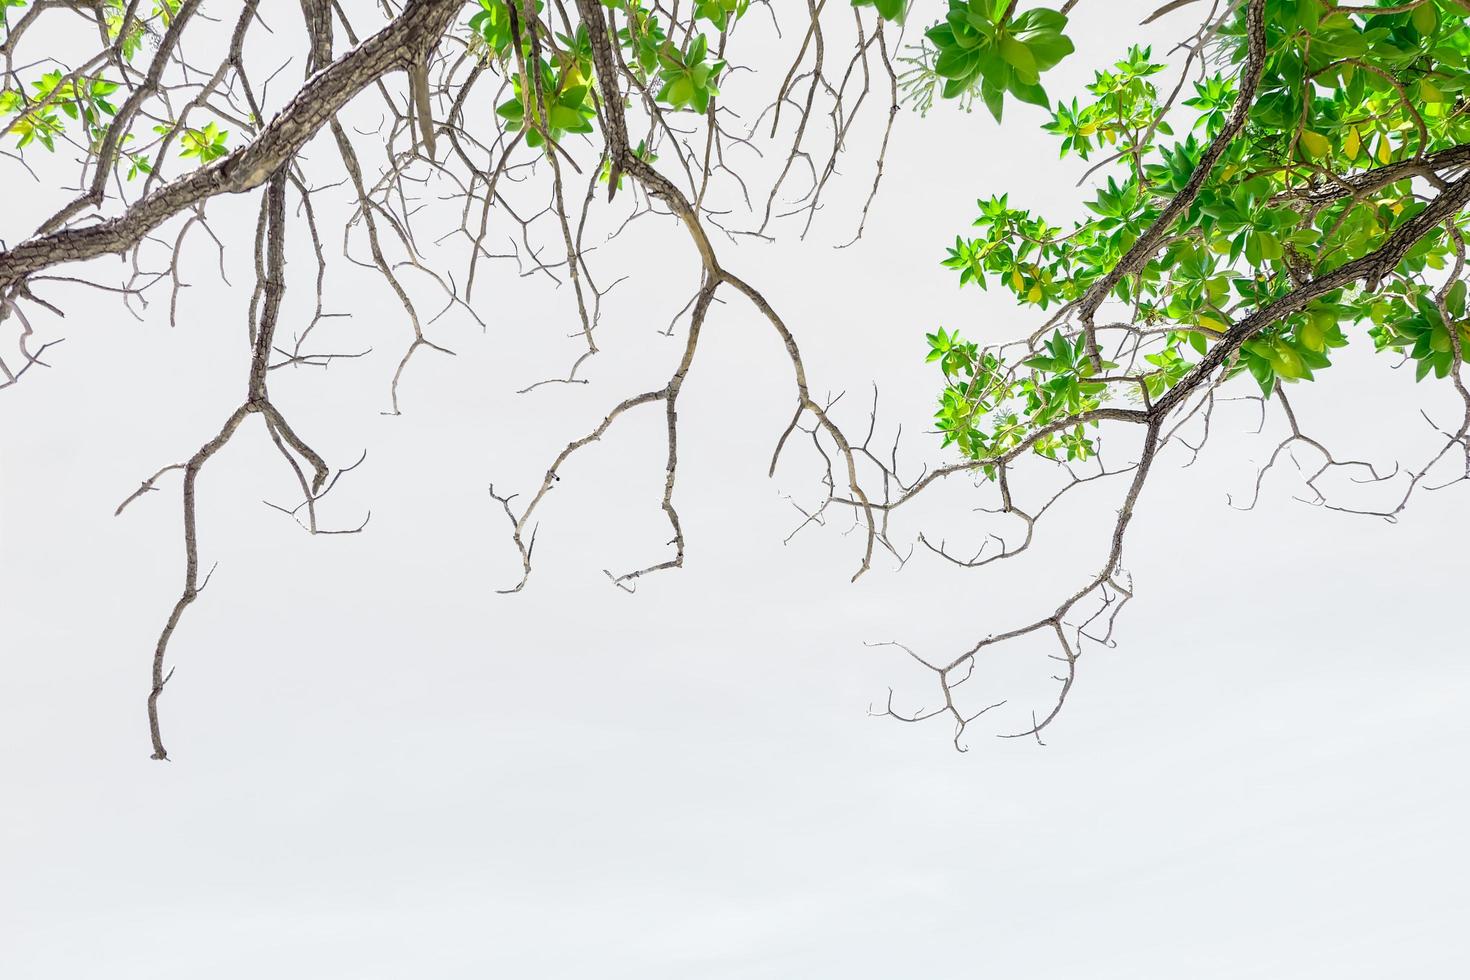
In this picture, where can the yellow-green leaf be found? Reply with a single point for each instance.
(1316, 144)
(1425, 18)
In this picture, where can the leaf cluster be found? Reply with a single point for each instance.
(1329, 164)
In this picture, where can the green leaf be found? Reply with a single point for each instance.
(1019, 57)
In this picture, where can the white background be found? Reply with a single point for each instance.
(382, 768)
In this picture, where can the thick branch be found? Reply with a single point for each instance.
(396, 46)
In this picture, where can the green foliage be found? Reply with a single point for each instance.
(989, 407)
(40, 116)
(721, 13)
(1126, 103)
(567, 99)
(1343, 96)
(688, 76)
(642, 38)
(1424, 331)
(491, 24)
(567, 110)
(114, 17)
(138, 164)
(894, 10)
(981, 44)
(993, 51)
(982, 49)
(203, 144)
(5, 7)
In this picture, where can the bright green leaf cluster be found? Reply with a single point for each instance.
(566, 104)
(204, 144)
(1425, 333)
(492, 25)
(980, 44)
(989, 407)
(688, 76)
(1315, 179)
(1126, 108)
(40, 121)
(721, 13)
(894, 10)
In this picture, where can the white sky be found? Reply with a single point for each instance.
(382, 768)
